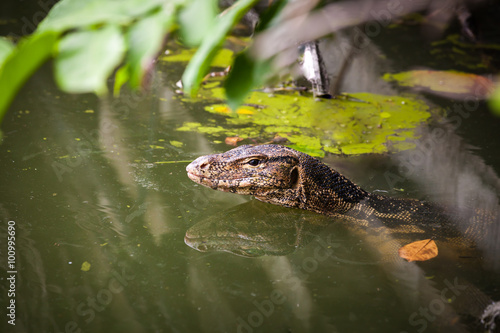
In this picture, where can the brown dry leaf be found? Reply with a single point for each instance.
(279, 140)
(233, 140)
(456, 85)
(419, 251)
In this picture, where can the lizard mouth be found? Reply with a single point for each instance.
(200, 179)
(234, 185)
(243, 185)
(194, 177)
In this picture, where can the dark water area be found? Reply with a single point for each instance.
(112, 236)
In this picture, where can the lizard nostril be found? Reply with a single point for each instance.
(204, 166)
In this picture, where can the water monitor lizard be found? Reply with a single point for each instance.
(283, 176)
(286, 177)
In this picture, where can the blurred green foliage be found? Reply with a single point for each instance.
(495, 102)
(200, 63)
(80, 66)
(90, 40)
(20, 62)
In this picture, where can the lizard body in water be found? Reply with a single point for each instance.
(283, 176)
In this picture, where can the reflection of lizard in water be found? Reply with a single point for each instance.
(253, 229)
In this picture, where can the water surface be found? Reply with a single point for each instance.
(101, 204)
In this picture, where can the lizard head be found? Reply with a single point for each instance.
(267, 171)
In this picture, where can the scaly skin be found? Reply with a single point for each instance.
(286, 177)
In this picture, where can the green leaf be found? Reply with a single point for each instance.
(244, 76)
(198, 66)
(21, 63)
(70, 14)
(494, 102)
(145, 39)
(121, 77)
(270, 17)
(196, 20)
(87, 58)
(6, 48)
(248, 73)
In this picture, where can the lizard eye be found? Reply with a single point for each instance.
(254, 162)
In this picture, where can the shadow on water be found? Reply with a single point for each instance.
(102, 182)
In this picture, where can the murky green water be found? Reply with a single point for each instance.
(101, 204)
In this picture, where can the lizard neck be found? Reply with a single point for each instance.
(324, 190)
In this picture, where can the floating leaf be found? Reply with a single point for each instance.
(85, 266)
(198, 127)
(177, 144)
(419, 251)
(445, 83)
(233, 140)
(279, 140)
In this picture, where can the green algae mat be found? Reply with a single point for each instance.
(353, 124)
